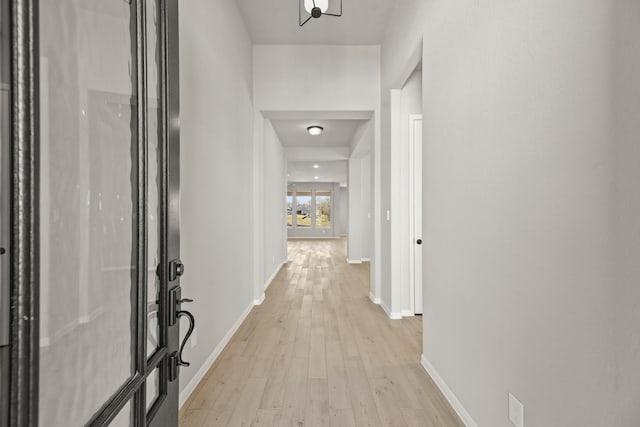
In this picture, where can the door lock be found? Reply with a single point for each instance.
(419, 241)
(176, 269)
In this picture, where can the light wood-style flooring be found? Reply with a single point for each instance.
(318, 352)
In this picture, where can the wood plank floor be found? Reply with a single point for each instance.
(318, 352)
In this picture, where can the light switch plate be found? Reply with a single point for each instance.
(516, 411)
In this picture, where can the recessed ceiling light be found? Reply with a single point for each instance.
(315, 130)
(316, 166)
(315, 177)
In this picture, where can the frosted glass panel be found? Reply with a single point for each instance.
(88, 187)
(153, 137)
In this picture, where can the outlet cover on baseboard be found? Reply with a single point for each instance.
(516, 411)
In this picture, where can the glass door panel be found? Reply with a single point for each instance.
(323, 208)
(88, 217)
(303, 208)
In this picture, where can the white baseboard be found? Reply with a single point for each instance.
(191, 386)
(374, 299)
(354, 261)
(448, 394)
(407, 313)
(273, 276)
(392, 315)
(260, 300)
(312, 237)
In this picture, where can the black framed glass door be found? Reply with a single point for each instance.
(98, 168)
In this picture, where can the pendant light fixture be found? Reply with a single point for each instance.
(315, 9)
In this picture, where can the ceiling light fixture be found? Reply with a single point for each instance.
(315, 130)
(315, 9)
(315, 177)
(316, 166)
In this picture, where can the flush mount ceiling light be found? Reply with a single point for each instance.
(316, 177)
(316, 166)
(315, 9)
(315, 130)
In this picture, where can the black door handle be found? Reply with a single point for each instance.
(419, 241)
(192, 325)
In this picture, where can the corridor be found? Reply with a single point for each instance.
(317, 352)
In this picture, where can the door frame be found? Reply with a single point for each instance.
(25, 241)
(415, 215)
(24, 250)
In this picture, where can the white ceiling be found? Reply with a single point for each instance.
(363, 22)
(337, 133)
(326, 172)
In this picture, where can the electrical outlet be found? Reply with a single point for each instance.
(516, 411)
(194, 338)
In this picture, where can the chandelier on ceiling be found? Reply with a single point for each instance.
(308, 9)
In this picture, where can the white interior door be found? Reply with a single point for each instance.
(415, 147)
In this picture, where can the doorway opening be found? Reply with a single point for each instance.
(406, 194)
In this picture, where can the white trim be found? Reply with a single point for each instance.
(312, 237)
(407, 313)
(392, 315)
(366, 259)
(191, 386)
(354, 261)
(448, 394)
(374, 299)
(260, 300)
(275, 273)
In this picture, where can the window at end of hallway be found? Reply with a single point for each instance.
(323, 209)
(303, 208)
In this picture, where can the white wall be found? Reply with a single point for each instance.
(409, 102)
(274, 193)
(322, 78)
(529, 285)
(343, 219)
(216, 135)
(360, 240)
(627, 206)
(360, 237)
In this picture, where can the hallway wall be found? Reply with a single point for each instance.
(274, 190)
(217, 138)
(343, 218)
(530, 268)
(360, 240)
(626, 123)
